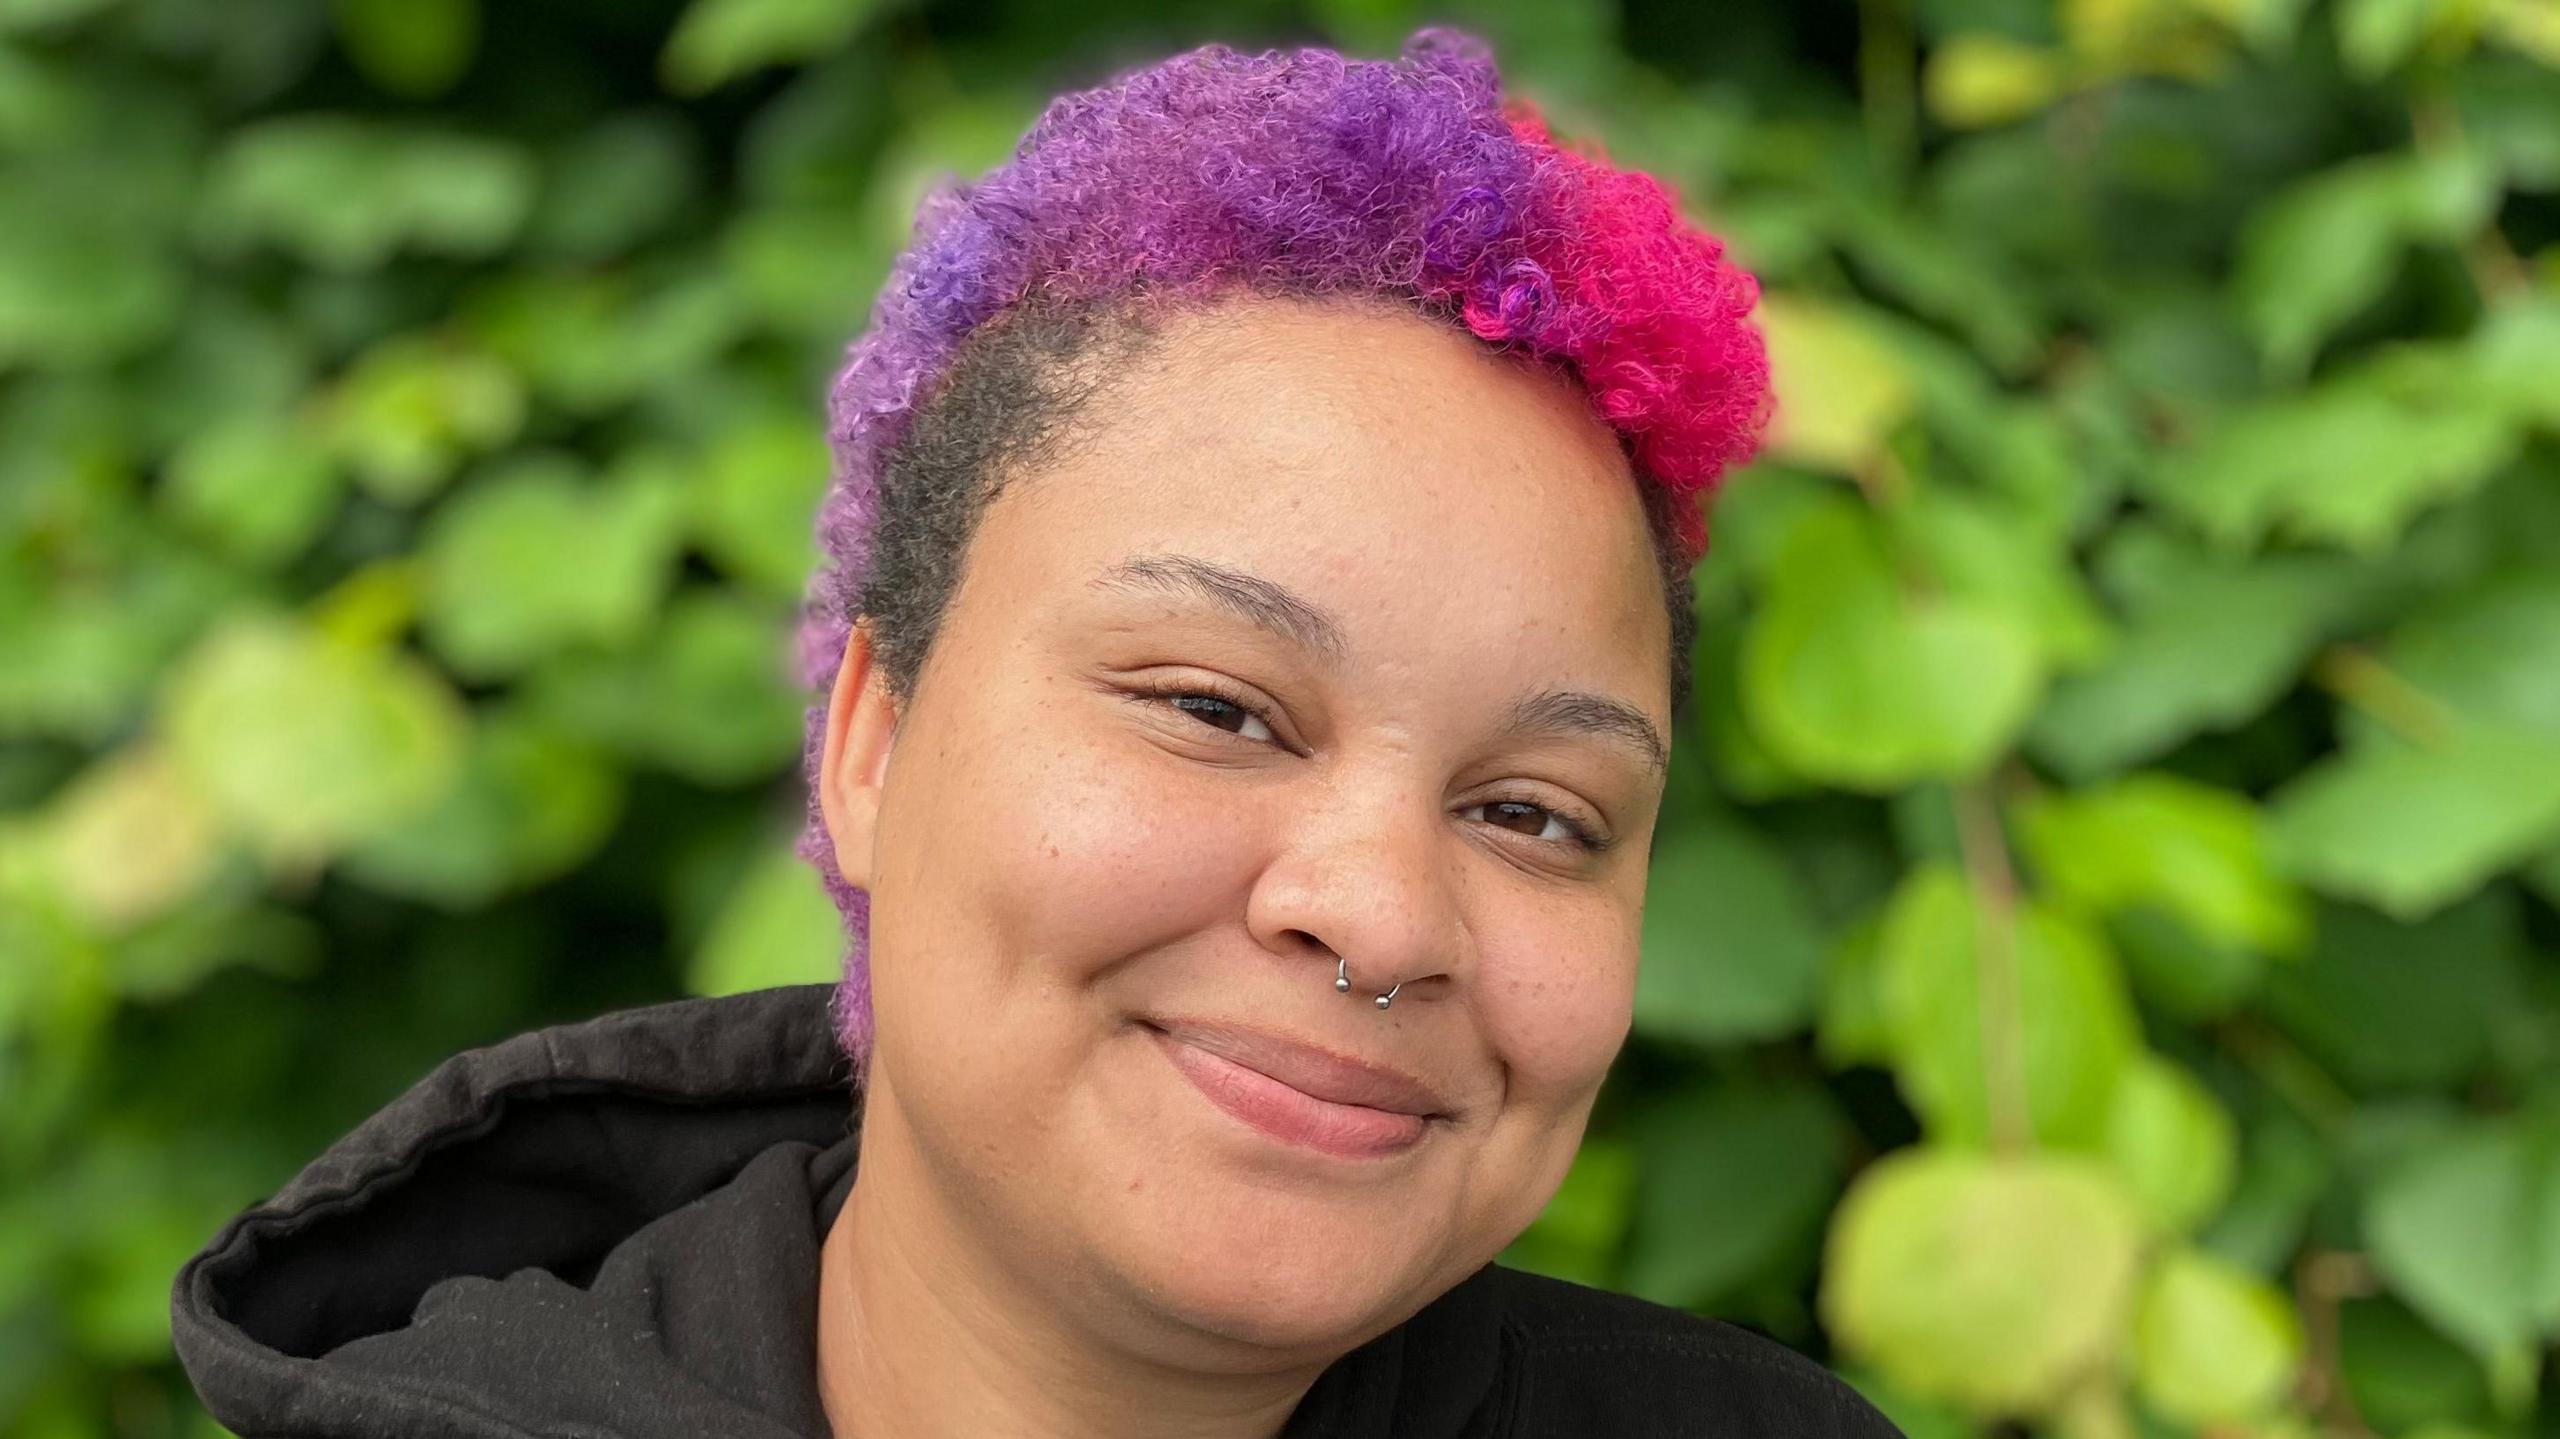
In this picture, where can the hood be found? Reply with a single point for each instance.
(612, 1228)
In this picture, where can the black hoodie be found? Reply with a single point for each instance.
(611, 1230)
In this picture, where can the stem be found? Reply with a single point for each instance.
(2355, 676)
(2497, 272)
(2290, 1075)
(2094, 1408)
(1995, 901)
(1888, 59)
(2322, 1278)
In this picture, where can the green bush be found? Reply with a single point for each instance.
(2100, 970)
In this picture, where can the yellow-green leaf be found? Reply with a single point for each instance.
(1995, 1283)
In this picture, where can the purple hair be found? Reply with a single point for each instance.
(1308, 173)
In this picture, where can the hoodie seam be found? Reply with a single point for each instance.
(1511, 1410)
(251, 1360)
(492, 1113)
(265, 1222)
(1806, 1374)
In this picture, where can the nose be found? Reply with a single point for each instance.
(1369, 889)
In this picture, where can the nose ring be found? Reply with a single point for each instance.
(1342, 982)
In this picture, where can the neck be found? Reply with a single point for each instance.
(923, 1334)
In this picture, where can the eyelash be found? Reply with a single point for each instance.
(1585, 837)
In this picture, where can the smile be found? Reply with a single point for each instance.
(1347, 1131)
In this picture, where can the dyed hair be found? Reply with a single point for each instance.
(1297, 173)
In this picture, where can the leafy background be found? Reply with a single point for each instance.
(2100, 972)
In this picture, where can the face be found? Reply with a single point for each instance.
(1337, 638)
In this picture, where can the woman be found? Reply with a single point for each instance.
(1256, 612)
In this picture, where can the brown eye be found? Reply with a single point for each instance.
(1212, 710)
(1515, 810)
(1228, 713)
(1534, 819)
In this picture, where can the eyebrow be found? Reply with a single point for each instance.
(1275, 608)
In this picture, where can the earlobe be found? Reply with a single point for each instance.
(854, 761)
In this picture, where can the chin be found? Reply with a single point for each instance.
(1298, 1294)
(1312, 1307)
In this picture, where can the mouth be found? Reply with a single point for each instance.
(1287, 1113)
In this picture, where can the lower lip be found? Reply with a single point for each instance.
(1349, 1131)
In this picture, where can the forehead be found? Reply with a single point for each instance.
(1435, 492)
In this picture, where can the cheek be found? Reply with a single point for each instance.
(1557, 991)
(1081, 847)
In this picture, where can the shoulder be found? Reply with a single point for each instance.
(1599, 1362)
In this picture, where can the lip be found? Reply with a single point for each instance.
(1280, 1109)
(1312, 1071)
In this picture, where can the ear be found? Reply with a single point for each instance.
(854, 762)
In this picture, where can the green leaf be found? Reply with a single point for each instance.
(2172, 966)
(531, 803)
(2529, 27)
(1995, 553)
(2490, 654)
(115, 1296)
(1974, 81)
(306, 745)
(1730, 951)
(2544, 875)
(2411, 830)
(797, 271)
(37, 15)
(2027, 454)
(1734, 1178)
(345, 193)
(2348, 463)
(719, 40)
(2511, 355)
(711, 698)
(2156, 839)
(1852, 1029)
(1580, 1230)
(777, 927)
(1849, 679)
(1841, 387)
(2374, 36)
(2073, 1018)
(588, 344)
(1995, 1283)
(501, 592)
(126, 841)
(230, 361)
(2325, 247)
(1741, 764)
(2208, 643)
(2213, 1344)
(257, 486)
(413, 408)
(1943, 275)
(2173, 1143)
(609, 187)
(412, 48)
(754, 498)
(71, 294)
(2503, 104)
(2468, 1230)
(77, 657)
(2285, 1171)
(2402, 1373)
(2390, 1006)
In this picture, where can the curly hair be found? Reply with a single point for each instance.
(1297, 173)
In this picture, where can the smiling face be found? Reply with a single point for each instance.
(1330, 641)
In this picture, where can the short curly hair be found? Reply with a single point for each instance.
(1298, 173)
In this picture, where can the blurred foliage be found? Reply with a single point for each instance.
(2102, 970)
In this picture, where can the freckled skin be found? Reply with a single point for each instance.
(1049, 858)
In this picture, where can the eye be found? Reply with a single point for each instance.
(1573, 832)
(1214, 706)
